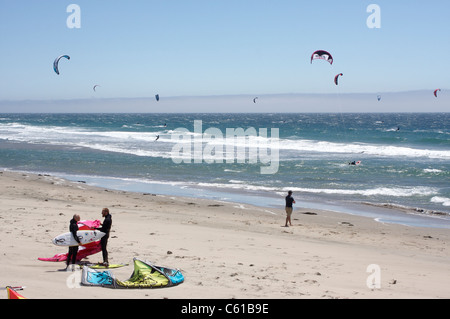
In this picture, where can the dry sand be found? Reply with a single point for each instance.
(224, 250)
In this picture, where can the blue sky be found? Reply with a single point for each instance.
(138, 48)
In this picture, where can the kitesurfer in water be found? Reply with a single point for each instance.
(289, 201)
(106, 227)
(73, 250)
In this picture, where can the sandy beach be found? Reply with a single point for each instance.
(224, 250)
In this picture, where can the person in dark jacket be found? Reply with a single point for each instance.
(73, 250)
(289, 201)
(106, 228)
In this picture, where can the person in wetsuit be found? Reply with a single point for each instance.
(106, 228)
(73, 250)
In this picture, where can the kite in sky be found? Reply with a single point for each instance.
(435, 92)
(336, 78)
(56, 62)
(322, 55)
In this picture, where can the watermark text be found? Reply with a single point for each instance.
(374, 19)
(74, 19)
(237, 145)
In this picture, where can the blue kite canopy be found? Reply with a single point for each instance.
(145, 275)
(56, 62)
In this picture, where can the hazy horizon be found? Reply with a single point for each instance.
(408, 101)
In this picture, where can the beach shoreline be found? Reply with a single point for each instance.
(240, 248)
(382, 212)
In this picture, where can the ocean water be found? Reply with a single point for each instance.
(403, 173)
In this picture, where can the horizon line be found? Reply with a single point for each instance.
(214, 96)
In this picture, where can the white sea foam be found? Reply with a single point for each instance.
(443, 200)
(361, 148)
(232, 170)
(378, 191)
(432, 170)
(128, 142)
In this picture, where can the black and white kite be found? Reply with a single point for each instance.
(322, 55)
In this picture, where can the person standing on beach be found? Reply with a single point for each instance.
(106, 227)
(289, 201)
(73, 250)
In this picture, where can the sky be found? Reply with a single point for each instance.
(201, 48)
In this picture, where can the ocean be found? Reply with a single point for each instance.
(402, 173)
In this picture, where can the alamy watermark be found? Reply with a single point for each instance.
(374, 19)
(74, 19)
(74, 279)
(235, 146)
(374, 279)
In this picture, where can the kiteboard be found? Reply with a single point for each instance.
(85, 237)
(101, 266)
